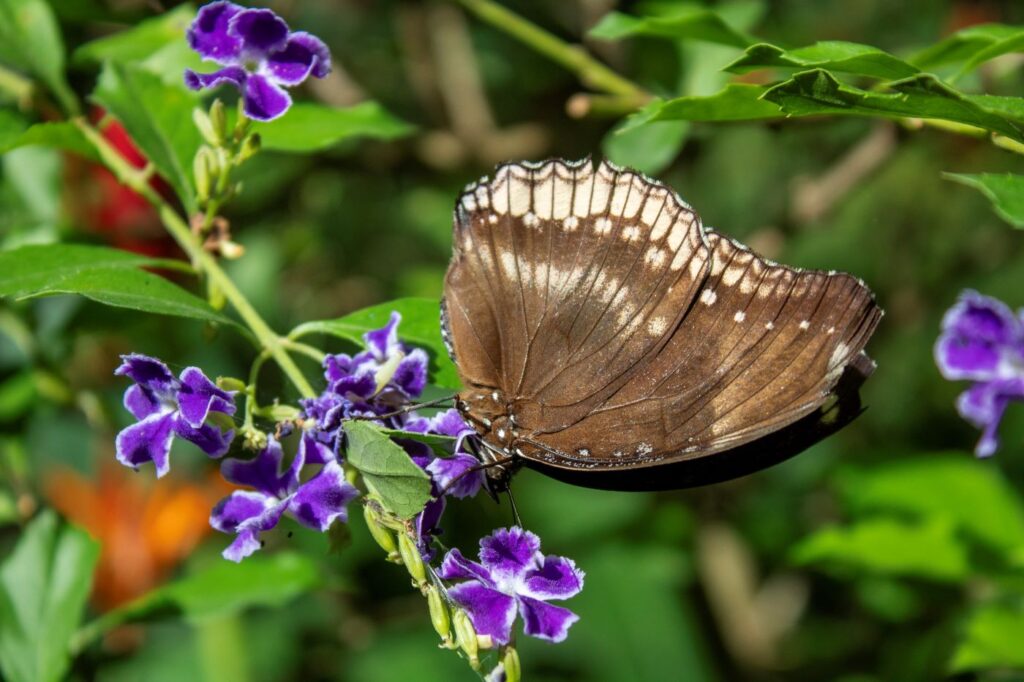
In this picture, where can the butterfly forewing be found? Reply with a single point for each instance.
(621, 333)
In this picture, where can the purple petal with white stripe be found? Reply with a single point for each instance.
(302, 55)
(491, 612)
(545, 621)
(147, 441)
(208, 35)
(457, 567)
(411, 373)
(508, 553)
(260, 31)
(383, 342)
(247, 514)
(141, 402)
(554, 578)
(263, 100)
(231, 75)
(445, 470)
(199, 396)
(263, 472)
(324, 498)
(148, 372)
(207, 437)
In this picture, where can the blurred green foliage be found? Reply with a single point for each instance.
(884, 553)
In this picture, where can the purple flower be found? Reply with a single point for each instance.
(514, 576)
(166, 407)
(260, 56)
(317, 503)
(982, 340)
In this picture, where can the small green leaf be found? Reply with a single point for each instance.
(138, 42)
(420, 327)
(648, 146)
(736, 102)
(833, 55)
(104, 275)
(817, 92)
(56, 135)
(30, 40)
(389, 473)
(888, 546)
(1005, 191)
(43, 587)
(992, 639)
(158, 117)
(690, 23)
(441, 445)
(972, 45)
(311, 127)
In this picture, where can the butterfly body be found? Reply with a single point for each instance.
(606, 337)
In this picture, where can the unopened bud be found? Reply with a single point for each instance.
(250, 146)
(387, 371)
(384, 537)
(219, 120)
(484, 642)
(254, 440)
(513, 671)
(439, 615)
(205, 126)
(466, 635)
(203, 172)
(281, 413)
(231, 250)
(412, 559)
(230, 384)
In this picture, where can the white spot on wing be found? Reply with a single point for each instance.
(570, 223)
(631, 233)
(657, 326)
(530, 220)
(602, 225)
(708, 297)
(804, 324)
(739, 316)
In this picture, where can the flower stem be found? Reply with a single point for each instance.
(573, 57)
(205, 262)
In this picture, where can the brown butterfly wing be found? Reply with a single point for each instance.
(627, 335)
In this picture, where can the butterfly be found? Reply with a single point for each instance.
(606, 338)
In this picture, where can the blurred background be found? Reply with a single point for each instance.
(877, 555)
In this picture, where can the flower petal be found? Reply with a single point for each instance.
(411, 373)
(980, 334)
(491, 612)
(148, 372)
(263, 472)
(545, 621)
(302, 55)
(260, 31)
(248, 514)
(509, 553)
(147, 441)
(427, 522)
(983, 317)
(141, 402)
(233, 75)
(207, 437)
(209, 36)
(314, 451)
(384, 341)
(984, 404)
(198, 396)
(457, 567)
(555, 578)
(324, 498)
(445, 470)
(264, 101)
(963, 357)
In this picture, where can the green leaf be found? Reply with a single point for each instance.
(138, 42)
(1005, 191)
(158, 117)
(311, 127)
(441, 445)
(971, 495)
(992, 639)
(972, 46)
(43, 587)
(834, 55)
(386, 468)
(56, 135)
(104, 275)
(817, 92)
(648, 146)
(420, 327)
(30, 40)
(889, 547)
(736, 102)
(690, 23)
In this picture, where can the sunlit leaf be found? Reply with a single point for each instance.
(310, 127)
(992, 639)
(158, 117)
(971, 46)
(386, 468)
(833, 55)
(30, 40)
(690, 23)
(1004, 190)
(43, 587)
(139, 41)
(420, 327)
(736, 102)
(888, 546)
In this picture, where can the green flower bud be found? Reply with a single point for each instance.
(205, 126)
(484, 642)
(513, 670)
(466, 636)
(439, 615)
(219, 120)
(250, 146)
(412, 559)
(231, 384)
(384, 537)
(203, 172)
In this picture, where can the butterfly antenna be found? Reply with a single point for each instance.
(405, 409)
(515, 510)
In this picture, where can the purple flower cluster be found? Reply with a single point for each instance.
(514, 577)
(982, 341)
(168, 406)
(259, 53)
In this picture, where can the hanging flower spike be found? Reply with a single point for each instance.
(317, 503)
(260, 56)
(514, 576)
(166, 407)
(983, 341)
